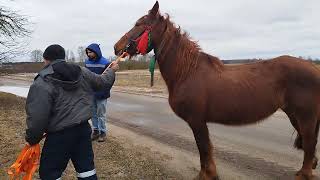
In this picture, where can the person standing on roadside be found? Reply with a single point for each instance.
(59, 105)
(97, 63)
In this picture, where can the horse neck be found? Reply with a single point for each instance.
(175, 66)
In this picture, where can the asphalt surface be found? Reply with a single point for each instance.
(259, 151)
(264, 150)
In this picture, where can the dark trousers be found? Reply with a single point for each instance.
(72, 143)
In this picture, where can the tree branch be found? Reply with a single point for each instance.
(13, 27)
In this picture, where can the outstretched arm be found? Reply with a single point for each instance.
(106, 79)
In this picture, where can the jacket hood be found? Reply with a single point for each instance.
(96, 49)
(62, 73)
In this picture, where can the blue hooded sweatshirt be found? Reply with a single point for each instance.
(97, 66)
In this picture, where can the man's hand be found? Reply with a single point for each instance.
(124, 54)
(114, 65)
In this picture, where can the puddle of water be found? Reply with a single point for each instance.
(19, 91)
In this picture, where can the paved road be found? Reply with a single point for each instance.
(262, 151)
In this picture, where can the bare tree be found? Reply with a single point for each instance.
(36, 55)
(12, 29)
(70, 56)
(82, 53)
(67, 55)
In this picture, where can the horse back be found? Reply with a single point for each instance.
(242, 94)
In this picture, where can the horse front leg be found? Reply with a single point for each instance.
(201, 135)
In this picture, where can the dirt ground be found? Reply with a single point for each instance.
(117, 158)
(128, 154)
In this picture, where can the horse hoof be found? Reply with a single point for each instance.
(315, 163)
(216, 178)
(201, 177)
(302, 176)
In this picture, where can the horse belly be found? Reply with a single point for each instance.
(240, 115)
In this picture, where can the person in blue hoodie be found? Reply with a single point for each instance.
(97, 63)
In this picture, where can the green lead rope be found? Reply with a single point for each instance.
(152, 65)
(149, 48)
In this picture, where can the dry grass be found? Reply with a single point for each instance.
(134, 81)
(113, 159)
(138, 81)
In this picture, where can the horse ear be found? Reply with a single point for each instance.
(155, 9)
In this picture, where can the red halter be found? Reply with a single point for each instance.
(143, 41)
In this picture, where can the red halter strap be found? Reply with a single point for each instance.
(143, 41)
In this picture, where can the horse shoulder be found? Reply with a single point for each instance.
(187, 98)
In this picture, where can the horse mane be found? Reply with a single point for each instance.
(187, 50)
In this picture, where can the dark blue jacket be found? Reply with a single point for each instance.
(97, 66)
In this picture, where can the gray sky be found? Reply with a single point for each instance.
(228, 29)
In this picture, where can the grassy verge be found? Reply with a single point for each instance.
(113, 160)
(138, 81)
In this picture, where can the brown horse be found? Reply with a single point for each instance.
(202, 89)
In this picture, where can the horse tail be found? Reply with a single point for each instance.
(317, 129)
(298, 142)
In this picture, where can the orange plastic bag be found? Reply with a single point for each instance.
(27, 162)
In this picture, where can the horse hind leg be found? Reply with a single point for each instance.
(208, 168)
(308, 131)
(298, 143)
(315, 160)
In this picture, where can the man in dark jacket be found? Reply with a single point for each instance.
(97, 63)
(59, 104)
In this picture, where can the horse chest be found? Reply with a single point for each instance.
(183, 107)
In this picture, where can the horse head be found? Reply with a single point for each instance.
(142, 37)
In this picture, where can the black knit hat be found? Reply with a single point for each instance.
(54, 52)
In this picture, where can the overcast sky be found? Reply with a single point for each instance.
(228, 29)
